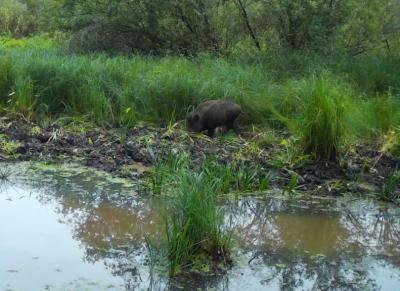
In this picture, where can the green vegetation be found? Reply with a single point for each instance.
(323, 119)
(234, 27)
(391, 142)
(8, 147)
(323, 106)
(322, 112)
(194, 225)
(315, 77)
(235, 176)
(391, 188)
(193, 221)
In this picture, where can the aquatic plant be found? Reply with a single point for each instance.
(194, 225)
(291, 187)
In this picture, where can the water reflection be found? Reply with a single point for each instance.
(286, 244)
(319, 244)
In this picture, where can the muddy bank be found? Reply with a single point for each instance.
(130, 152)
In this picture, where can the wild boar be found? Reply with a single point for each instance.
(212, 114)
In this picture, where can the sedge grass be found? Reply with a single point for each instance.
(273, 89)
(194, 226)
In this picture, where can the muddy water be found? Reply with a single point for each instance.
(75, 229)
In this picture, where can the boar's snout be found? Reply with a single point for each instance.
(193, 123)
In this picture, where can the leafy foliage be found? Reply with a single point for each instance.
(193, 26)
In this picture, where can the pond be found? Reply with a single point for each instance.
(70, 228)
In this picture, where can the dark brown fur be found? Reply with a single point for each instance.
(212, 114)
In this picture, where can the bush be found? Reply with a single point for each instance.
(16, 19)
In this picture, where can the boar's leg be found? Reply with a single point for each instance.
(211, 132)
(235, 127)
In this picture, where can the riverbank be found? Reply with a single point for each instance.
(133, 152)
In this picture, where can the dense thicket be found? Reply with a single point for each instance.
(190, 26)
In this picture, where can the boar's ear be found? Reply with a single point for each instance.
(196, 117)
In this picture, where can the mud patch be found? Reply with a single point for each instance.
(132, 152)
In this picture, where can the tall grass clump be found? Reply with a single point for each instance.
(6, 78)
(322, 122)
(24, 99)
(194, 225)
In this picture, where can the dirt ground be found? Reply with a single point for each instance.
(130, 152)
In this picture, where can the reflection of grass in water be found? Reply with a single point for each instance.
(5, 173)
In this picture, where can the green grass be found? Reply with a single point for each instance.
(235, 176)
(6, 79)
(8, 147)
(194, 225)
(322, 122)
(391, 188)
(349, 99)
(165, 170)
